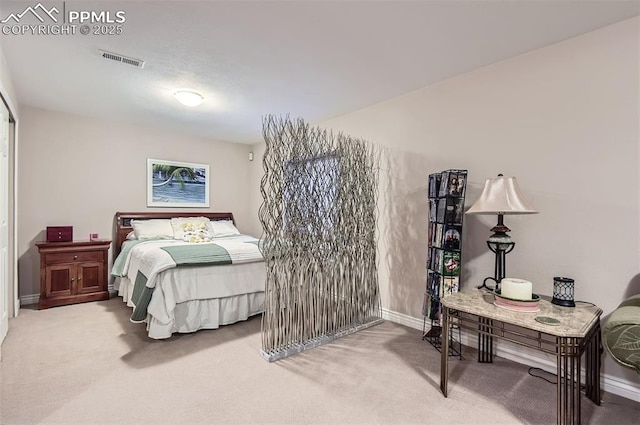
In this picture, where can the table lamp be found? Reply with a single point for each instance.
(501, 195)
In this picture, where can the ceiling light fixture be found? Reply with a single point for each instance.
(188, 97)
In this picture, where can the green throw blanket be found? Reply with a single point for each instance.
(209, 254)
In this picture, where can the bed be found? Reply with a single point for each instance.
(180, 283)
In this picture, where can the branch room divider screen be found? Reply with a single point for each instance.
(318, 215)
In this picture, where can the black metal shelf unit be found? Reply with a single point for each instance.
(444, 257)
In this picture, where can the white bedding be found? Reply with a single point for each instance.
(186, 299)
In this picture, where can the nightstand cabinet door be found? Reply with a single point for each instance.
(90, 277)
(58, 280)
(73, 272)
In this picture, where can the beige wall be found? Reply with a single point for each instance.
(565, 121)
(79, 171)
(6, 84)
(254, 190)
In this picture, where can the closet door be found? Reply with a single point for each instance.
(4, 220)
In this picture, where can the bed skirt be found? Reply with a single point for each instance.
(191, 316)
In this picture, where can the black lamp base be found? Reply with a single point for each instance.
(485, 286)
(500, 244)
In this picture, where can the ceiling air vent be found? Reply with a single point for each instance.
(120, 58)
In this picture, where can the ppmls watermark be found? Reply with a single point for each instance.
(58, 20)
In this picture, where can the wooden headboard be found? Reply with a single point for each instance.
(123, 221)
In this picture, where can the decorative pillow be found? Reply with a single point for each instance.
(152, 229)
(221, 228)
(182, 225)
(193, 234)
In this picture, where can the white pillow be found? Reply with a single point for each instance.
(184, 225)
(152, 229)
(131, 236)
(220, 228)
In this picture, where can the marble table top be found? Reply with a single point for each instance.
(575, 322)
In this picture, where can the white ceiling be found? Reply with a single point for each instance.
(310, 59)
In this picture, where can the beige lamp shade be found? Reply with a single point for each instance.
(502, 195)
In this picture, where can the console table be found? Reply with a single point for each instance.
(577, 333)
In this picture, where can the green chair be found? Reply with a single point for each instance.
(621, 333)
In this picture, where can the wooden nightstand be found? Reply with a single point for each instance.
(73, 272)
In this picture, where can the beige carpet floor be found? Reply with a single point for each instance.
(87, 364)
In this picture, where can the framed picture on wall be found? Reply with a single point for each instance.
(177, 184)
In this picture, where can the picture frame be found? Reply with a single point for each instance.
(177, 184)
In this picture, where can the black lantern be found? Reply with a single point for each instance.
(563, 292)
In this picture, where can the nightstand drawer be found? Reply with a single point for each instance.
(73, 257)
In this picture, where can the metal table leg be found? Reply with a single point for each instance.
(485, 341)
(560, 386)
(593, 364)
(575, 369)
(444, 352)
(568, 369)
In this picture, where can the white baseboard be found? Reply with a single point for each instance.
(29, 299)
(518, 354)
(402, 319)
